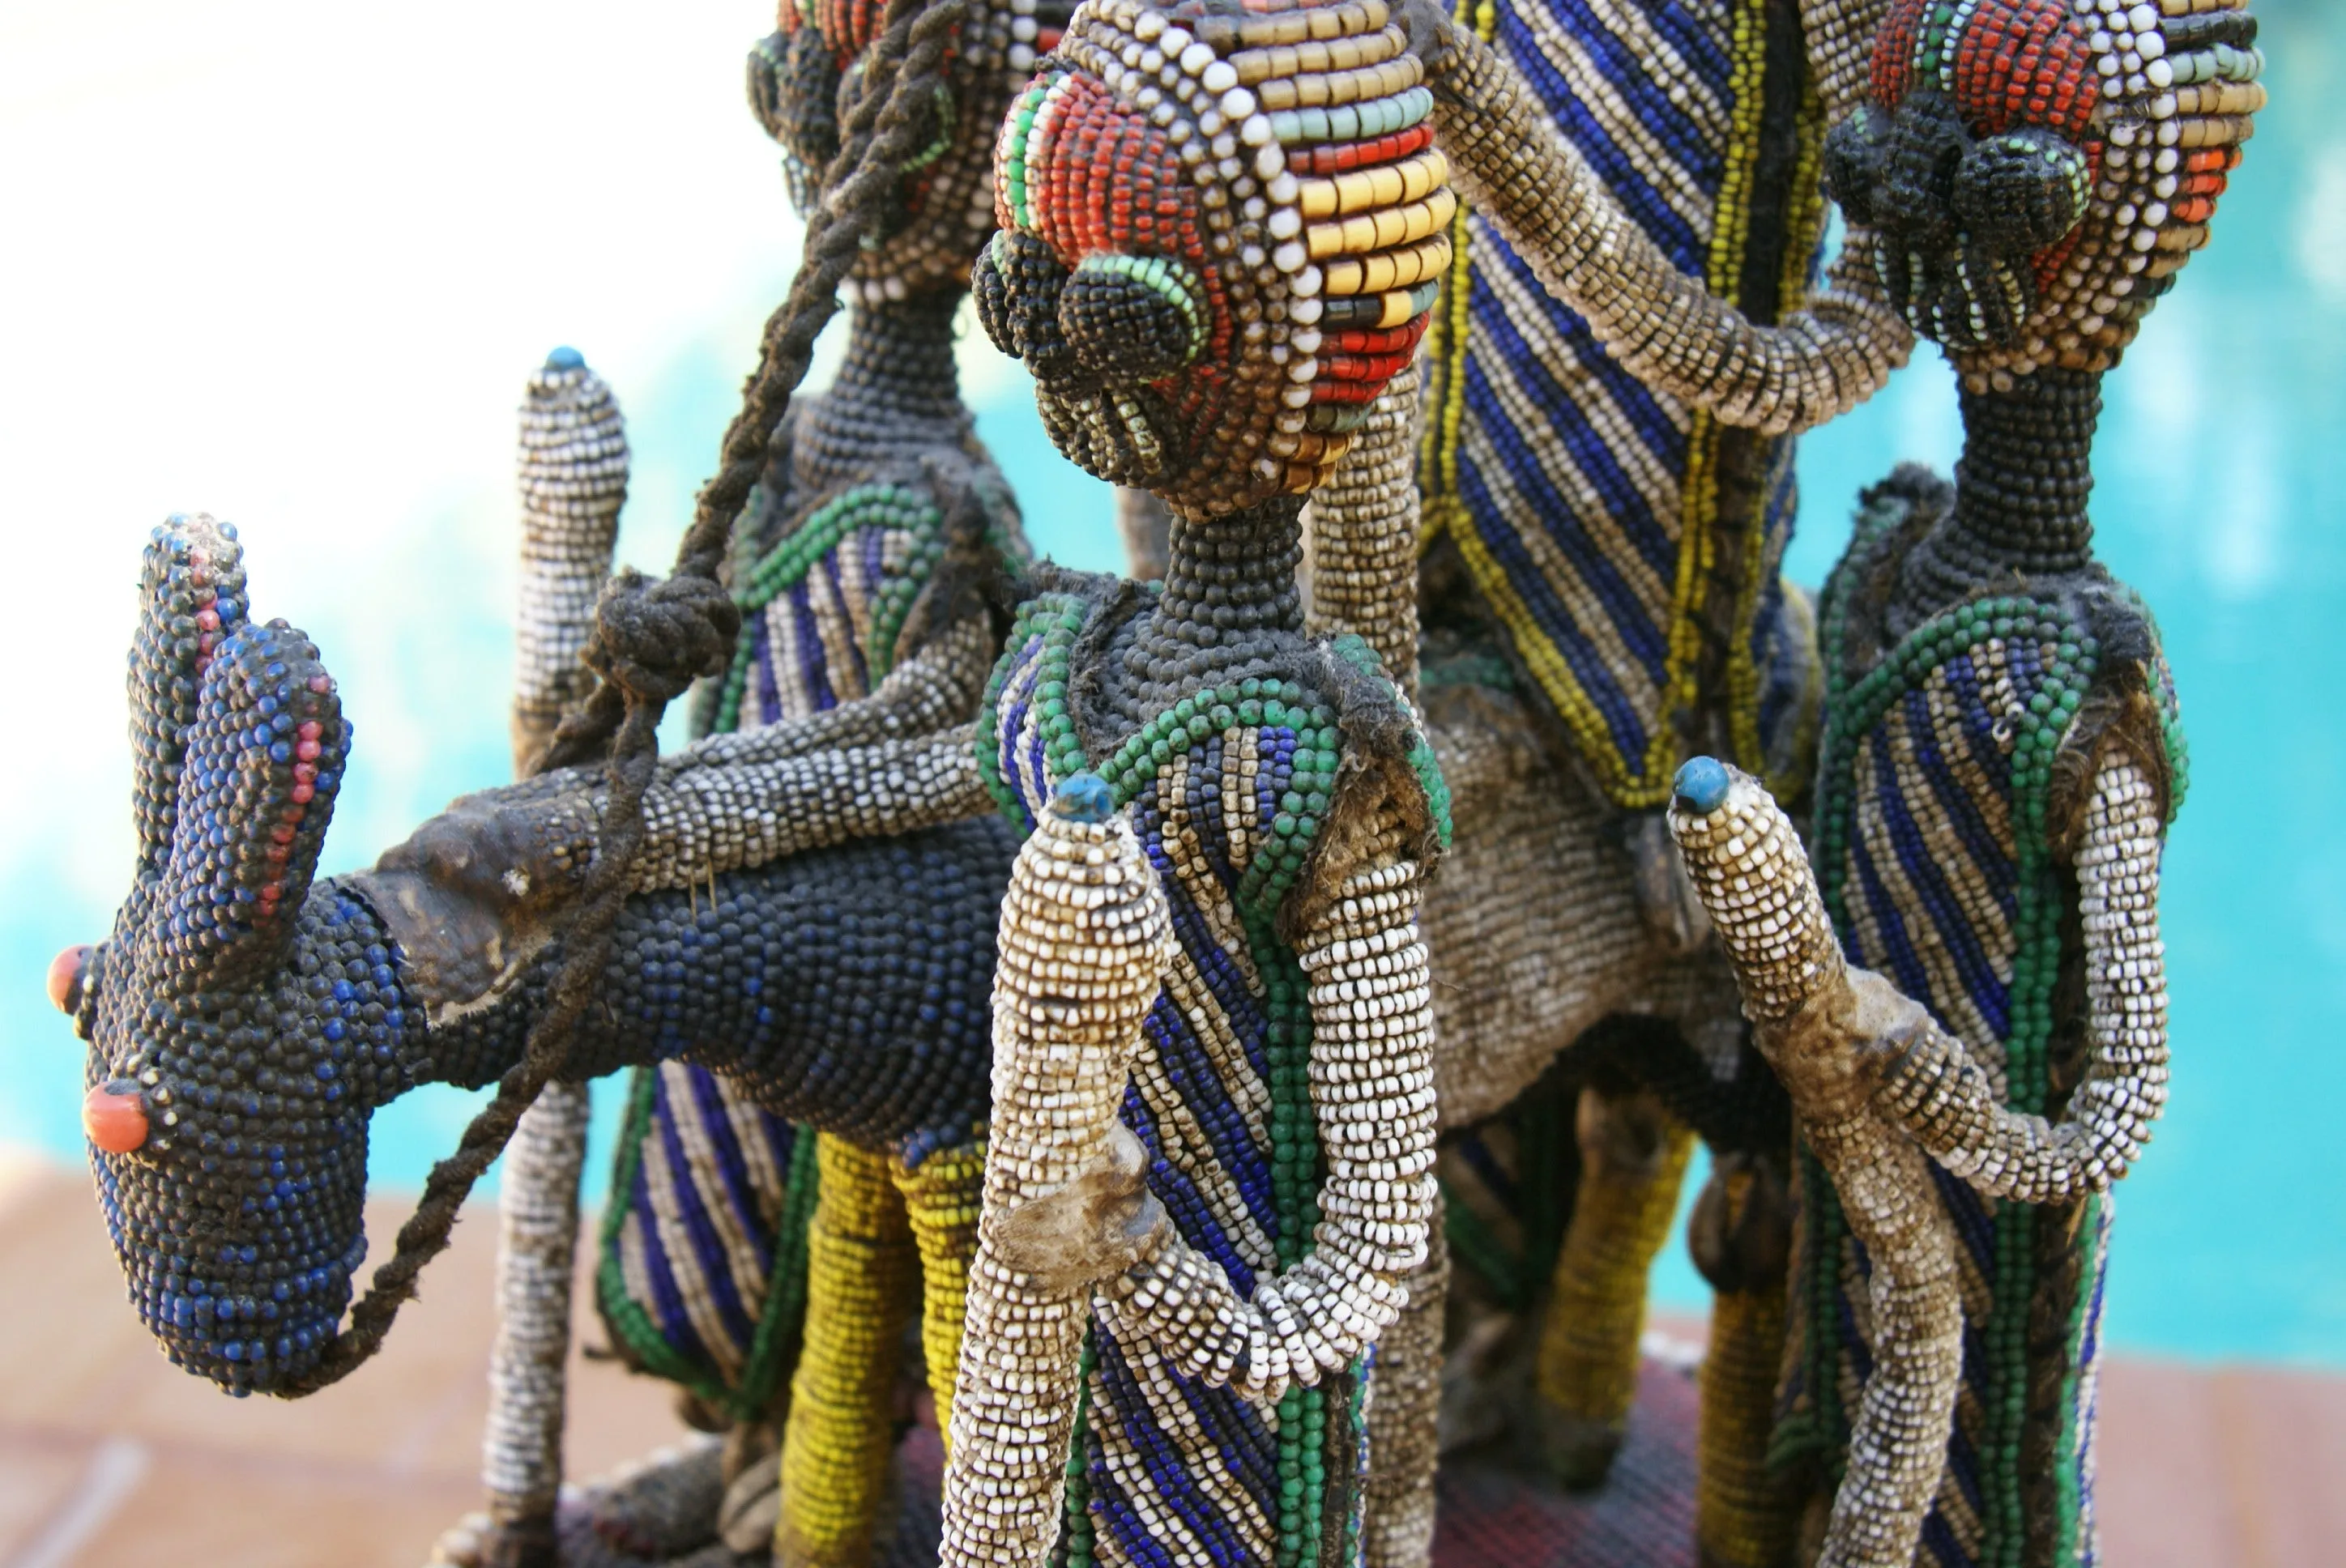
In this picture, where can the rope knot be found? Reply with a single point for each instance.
(655, 636)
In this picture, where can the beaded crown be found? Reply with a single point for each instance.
(1222, 227)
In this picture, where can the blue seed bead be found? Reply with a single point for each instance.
(1701, 785)
(1084, 797)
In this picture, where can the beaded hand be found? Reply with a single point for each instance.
(1879, 1087)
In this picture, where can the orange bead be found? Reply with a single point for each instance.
(66, 972)
(116, 1123)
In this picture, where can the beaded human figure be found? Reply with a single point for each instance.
(2001, 757)
(877, 518)
(1218, 230)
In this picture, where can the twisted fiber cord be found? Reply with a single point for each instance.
(652, 639)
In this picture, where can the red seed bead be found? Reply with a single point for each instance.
(116, 1123)
(66, 972)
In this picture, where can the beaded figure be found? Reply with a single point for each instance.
(2000, 762)
(1214, 324)
(876, 516)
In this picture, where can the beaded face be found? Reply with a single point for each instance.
(246, 1020)
(1222, 227)
(804, 79)
(2038, 171)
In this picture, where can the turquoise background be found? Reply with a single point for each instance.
(2219, 498)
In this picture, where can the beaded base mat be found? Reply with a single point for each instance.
(1492, 1516)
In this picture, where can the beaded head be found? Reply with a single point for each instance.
(239, 1027)
(2036, 171)
(1222, 226)
(804, 80)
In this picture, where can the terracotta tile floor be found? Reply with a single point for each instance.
(110, 1458)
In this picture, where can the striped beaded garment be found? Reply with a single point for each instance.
(1940, 792)
(1226, 791)
(1984, 675)
(1629, 544)
(836, 568)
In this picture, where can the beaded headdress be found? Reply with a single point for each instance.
(1222, 226)
(804, 79)
(2039, 169)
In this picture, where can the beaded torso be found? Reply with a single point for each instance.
(1629, 544)
(703, 1274)
(1937, 847)
(1227, 790)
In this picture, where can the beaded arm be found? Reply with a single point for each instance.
(1516, 168)
(1877, 1085)
(1372, 1093)
(1943, 1098)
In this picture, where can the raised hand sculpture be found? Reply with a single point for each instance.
(1214, 333)
(2000, 762)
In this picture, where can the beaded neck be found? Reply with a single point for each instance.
(2021, 488)
(1230, 603)
(897, 390)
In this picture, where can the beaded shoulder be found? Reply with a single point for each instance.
(1324, 710)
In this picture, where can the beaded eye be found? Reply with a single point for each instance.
(1018, 282)
(1133, 318)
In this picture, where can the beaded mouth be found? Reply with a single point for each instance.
(251, 1309)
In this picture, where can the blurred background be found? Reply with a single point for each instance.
(290, 264)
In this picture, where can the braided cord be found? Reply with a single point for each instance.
(651, 638)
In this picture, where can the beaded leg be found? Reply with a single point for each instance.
(1404, 1416)
(840, 1433)
(1745, 1512)
(1633, 1159)
(943, 1195)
